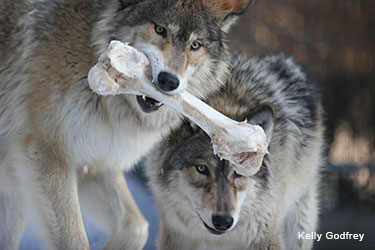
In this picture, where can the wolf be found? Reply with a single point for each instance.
(62, 147)
(204, 204)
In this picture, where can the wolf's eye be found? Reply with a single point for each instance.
(160, 30)
(202, 169)
(196, 46)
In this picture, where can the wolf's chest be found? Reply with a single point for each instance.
(102, 146)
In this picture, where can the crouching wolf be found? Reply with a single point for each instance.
(60, 142)
(205, 204)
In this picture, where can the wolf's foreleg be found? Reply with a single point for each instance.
(269, 242)
(269, 232)
(107, 197)
(302, 219)
(56, 199)
(13, 210)
(169, 240)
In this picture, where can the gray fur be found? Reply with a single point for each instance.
(280, 200)
(57, 137)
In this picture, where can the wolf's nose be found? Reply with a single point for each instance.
(167, 82)
(222, 222)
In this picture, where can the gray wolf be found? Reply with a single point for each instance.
(65, 147)
(205, 204)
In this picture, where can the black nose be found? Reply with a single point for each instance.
(222, 222)
(167, 82)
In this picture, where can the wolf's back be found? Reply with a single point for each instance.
(284, 84)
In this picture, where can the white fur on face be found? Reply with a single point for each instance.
(184, 80)
(236, 214)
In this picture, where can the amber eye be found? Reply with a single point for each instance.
(202, 169)
(160, 30)
(196, 46)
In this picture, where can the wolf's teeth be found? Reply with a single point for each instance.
(158, 103)
(144, 97)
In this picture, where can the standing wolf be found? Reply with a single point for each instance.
(205, 204)
(60, 141)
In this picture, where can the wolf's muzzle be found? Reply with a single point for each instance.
(167, 82)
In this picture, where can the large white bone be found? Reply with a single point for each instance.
(124, 70)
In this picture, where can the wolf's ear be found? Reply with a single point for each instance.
(264, 116)
(186, 130)
(228, 11)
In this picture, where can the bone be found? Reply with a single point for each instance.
(122, 69)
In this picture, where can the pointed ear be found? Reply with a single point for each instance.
(227, 11)
(264, 116)
(186, 129)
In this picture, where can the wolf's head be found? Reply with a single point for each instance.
(184, 40)
(198, 191)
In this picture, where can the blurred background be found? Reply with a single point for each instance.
(335, 40)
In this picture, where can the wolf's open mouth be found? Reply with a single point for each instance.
(148, 104)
